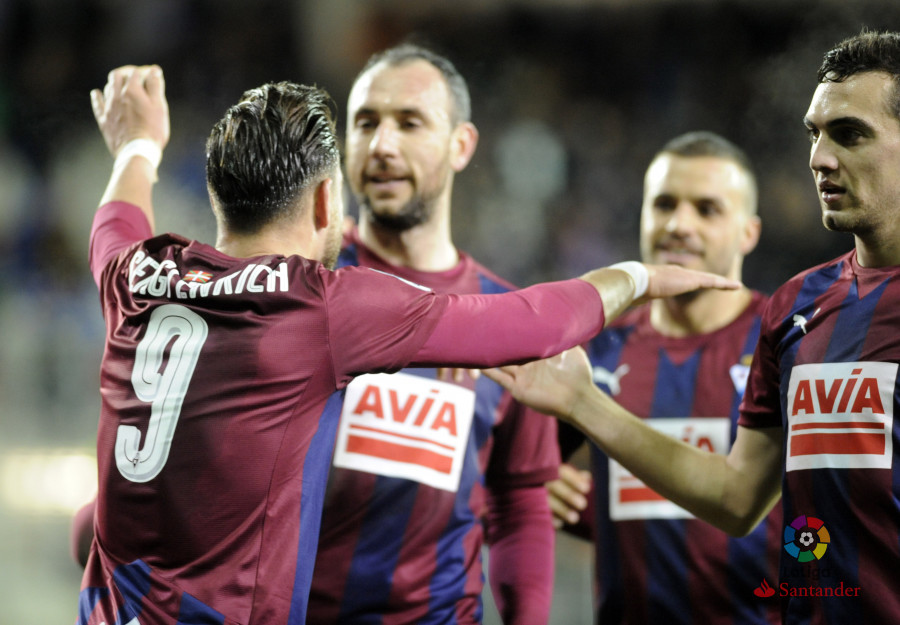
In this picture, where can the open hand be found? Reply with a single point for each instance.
(552, 386)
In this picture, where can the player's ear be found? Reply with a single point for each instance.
(463, 143)
(322, 200)
(750, 234)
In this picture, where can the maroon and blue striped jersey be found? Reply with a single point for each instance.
(402, 526)
(826, 373)
(220, 401)
(655, 562)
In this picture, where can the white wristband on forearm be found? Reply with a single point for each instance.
(148, 148)
(638, 273)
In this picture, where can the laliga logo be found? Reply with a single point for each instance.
(806, 538)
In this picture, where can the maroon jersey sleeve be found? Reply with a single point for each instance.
(525, 451)
(761, 405)
(377, 321)
(521, 579)
(537, 322)
(116, 226)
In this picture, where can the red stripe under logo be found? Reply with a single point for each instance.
(399, 453)
(837, 443)
(418, 439)
(631, 495)
(859, 425)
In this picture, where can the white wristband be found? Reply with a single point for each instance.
(638, 273)
(148, 148)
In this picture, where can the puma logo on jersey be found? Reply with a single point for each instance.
(800, 321)
(611, 378)
(841, 415)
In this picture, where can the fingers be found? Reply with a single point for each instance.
(577, 479)
(134, 80)
(567, 495)
(720, 282)
(154, 82)
(97, 104)
(500, 376)
(670, 280)
(456, 374)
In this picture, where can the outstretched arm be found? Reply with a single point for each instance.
(625, 284)
(732, 492)
(544, 319)
(133, 116)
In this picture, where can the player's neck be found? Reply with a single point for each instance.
(882, 249)
(426, 247)
(698, 313)
(267, 242)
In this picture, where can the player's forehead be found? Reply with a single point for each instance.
(865, 97)
(411, 85)
(694, 176)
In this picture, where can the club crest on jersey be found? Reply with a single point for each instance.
(406, 426)
(841, 415)
(739, 373)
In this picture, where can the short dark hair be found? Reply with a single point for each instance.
(409, 52)
(275, 142)
(700, 143)
(869, 51)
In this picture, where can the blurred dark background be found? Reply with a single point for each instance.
(572, 98)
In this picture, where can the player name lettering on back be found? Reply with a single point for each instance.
(405, 426)
(841, 415)
(630, 498)
(147, 276)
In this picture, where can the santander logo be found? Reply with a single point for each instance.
(764, 590)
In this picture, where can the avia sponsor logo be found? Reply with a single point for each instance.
(406, 426)
(146, 276)
(630, 498)
(840, 416)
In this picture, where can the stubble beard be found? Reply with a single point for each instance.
(414, 213)
(841, 221)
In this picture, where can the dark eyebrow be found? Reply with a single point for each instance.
(840, 122)
(410, 112)
(395, 113)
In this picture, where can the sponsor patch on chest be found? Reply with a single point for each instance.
(405, 426)
(841, 416)
(630, 498)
